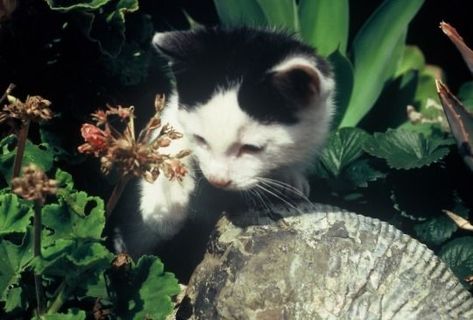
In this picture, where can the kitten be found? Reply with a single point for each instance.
(254, 107)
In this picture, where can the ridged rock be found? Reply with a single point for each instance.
(320, 263)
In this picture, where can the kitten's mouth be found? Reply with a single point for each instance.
(231, 185)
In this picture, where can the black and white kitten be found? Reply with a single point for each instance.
(254, 107)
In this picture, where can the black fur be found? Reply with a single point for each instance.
(206, 59)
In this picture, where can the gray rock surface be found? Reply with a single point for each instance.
(320, 263)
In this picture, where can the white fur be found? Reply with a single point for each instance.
(288, 149)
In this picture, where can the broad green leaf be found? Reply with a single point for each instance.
(465, 94)
(343, 71)
(324, 24)
(361, 172)
(234, 13)
(375, 52)
(281, 13)
(403, 149)
(72, 314)
(458, 254)
(14, 259)
(70, 5)
(343, 147)
(40, 155)
(152, 290)
(64, 180)
(436, 230)
(412, 59)
(426, 95)
(69, 220)
(14, 216)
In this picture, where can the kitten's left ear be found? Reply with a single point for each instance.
(299, 80)
(174, 45)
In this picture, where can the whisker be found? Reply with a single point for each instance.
(265, 189)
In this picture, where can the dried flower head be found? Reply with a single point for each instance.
(131, 155)
(34, 184)
(35, 108)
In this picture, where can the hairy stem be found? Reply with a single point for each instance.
(37, 253)
(116, 194)
(21, 143)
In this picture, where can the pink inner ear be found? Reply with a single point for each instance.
(299, 82)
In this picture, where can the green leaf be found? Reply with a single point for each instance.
(361, 172)
(343, 71)
(342, 149)
(14, 259)
(14, 216)
(436, 230)
(72, 314)
(152, 290)
(324, 24)
(458, 254)
(234, 13)
(69, 220)
(412, 59)
(465, 94)
(403, 149)
(64, 180)
(376, 50)
(15, 298)
(70, 5)
(40, 155)
(280, 13)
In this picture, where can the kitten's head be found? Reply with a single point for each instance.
(250, 101)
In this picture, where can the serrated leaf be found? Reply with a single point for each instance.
(404, 149)
(14, 216)
(343, 71)
(436, 230)
(14, 259)
(152, 290)
(72, 314)
(71, 5)
(361, 172)
(280, 13)
(458, 255)
(343, 147)
(69, 220)
(377, 49)
(15, 298)
(40, 155)
(234, 13)
(324, 24)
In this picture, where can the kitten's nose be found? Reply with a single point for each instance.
(220, 183)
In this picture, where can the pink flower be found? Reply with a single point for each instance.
(95, 138)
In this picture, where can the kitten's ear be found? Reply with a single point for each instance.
(174, 45)
(298, 81)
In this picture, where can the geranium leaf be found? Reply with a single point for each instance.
(404, 149)
(14, 216)
(361, 172)
(13, 261)
(68, 5)
(458, 254)
(73, 314)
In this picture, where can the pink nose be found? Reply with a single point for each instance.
(219, 183)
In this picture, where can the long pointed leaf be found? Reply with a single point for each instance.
(374, 49)
(281, 13)
(324, 24)
(457, 40)
(233, 13)
(343, 71)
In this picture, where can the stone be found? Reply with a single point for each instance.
(319, 262)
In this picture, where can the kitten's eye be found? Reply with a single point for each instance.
(200, 140)
(250, 149)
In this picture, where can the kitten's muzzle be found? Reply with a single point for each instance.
(220, 183)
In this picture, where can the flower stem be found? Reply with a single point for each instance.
(116, 194)
(59, 298)
(37, 253)
(21, 143)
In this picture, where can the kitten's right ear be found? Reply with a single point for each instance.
(174, 45)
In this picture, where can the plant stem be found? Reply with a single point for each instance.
(10, 88)
(59, 298)
(116, 193)
(21, 143)
(37, 253)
